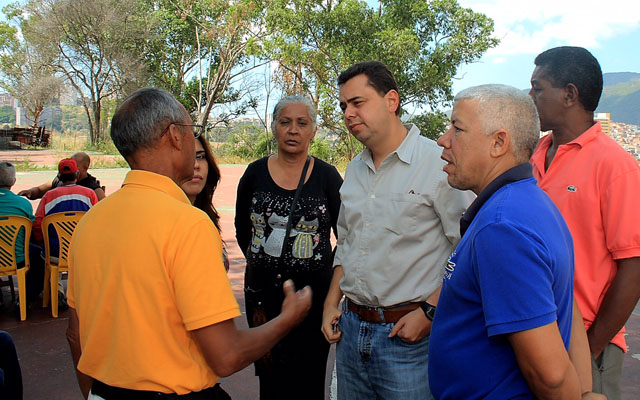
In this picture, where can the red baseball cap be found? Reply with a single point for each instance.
(67, 166)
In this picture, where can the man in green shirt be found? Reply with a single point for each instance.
(12, 204)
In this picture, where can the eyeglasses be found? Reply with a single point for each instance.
(197, 129)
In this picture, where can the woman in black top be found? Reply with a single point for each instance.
(295, 367)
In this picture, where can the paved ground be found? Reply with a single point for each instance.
(40, 340)
(43, 351)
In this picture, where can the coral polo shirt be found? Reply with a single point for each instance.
(595, 184)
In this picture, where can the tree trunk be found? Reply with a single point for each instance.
(36, 113)
(96, 106)
(89, 120)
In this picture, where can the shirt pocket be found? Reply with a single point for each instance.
(399, 212)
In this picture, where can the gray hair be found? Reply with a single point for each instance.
(285, 101)
(505, 107)
(141, 118)
(7, 174)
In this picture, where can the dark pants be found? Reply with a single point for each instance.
(295, 367)
(35, 276)
(10, 374)
(107, 392)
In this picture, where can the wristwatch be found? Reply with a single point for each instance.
(428, 309)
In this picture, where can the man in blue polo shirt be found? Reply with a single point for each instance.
(503, 321)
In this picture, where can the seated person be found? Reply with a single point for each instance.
(84, 179)
(10, 374)
(68, 197)
(12, 204)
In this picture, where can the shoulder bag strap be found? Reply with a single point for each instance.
(293, 203)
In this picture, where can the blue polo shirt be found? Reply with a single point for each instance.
(12, 204)
(512, 271)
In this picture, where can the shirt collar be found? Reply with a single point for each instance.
(155, 181)
(404, 151)
(517, 173)
(588, 135)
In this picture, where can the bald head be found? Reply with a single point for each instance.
(83, 160)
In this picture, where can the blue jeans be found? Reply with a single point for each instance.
(370, 365)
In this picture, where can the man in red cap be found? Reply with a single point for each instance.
(84, 179)
(68, 197)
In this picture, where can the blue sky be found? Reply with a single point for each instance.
(609, 29)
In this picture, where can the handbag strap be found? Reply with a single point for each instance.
(293, 203)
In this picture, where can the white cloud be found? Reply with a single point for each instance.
(528, 27)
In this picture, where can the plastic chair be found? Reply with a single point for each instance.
(9, 228)
(64, 224)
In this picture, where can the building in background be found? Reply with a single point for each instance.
(6, 100)
(605, 121)
(46, 118)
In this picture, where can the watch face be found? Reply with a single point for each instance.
(429, 310)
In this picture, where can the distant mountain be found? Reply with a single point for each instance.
(621, 97)
(614, 78)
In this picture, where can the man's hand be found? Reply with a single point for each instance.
(296, 305)
(331, 313)
(412, 327)
(30, 194)
(330, 318)
(617, 305)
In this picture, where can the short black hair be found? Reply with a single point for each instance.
(567, 64)
(378, 74)
(64, 178)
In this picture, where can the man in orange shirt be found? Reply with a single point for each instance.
(595, 184)
(151, 308)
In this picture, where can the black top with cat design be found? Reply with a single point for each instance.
(262, 209)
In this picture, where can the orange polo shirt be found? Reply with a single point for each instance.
(145, 270)
(595, 184)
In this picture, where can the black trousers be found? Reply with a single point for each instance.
(115, 393)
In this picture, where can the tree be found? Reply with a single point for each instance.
(96, 45)
(7, 115)
(26, 74)
(202, 48)
(422, 42)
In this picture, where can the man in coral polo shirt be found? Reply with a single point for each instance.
(595, 184)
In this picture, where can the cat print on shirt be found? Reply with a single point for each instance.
(273, 245)
(306, 238)
(258, 232)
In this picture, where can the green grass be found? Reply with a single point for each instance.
(26, 166)
(102, 163)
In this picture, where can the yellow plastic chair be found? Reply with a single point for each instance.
(9, 228)
(64, 224)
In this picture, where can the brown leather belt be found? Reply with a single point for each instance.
(372, 314)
